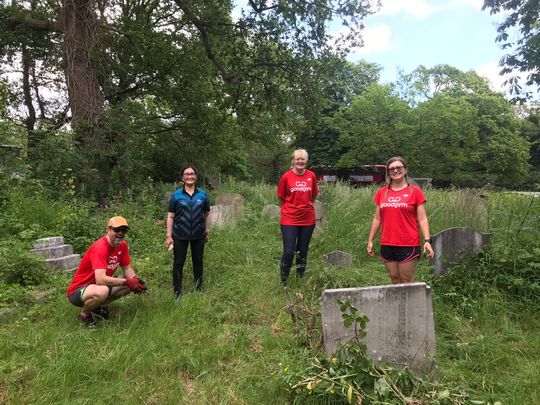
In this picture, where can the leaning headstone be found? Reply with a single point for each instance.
(271, 210)
(400, 330)
(222, 215)
(453, 244)
(338, 259)
(57, 254)
(319, 213)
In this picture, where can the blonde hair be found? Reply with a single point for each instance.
(388, 179)
(299, 151)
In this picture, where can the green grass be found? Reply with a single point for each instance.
(223, 346)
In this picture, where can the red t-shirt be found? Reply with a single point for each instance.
(101, 255)
(398, 215)
(298, 193)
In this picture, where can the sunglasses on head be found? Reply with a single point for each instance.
(120, 229)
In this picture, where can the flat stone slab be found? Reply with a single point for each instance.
(338, 259)
(400, 330)
(451, 245)
(271, 210)
(53, 251)
(49, 242)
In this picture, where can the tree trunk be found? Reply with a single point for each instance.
(80, 34)
(30, 120)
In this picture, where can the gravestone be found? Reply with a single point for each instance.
(271, 210)
(338, 259)
(450, 245)
(232, 199)
(319, 213)
(400, 330)
(57, 254)
(222, 215)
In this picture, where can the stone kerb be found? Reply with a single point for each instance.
(57, 254)
(400, 330)
(338, 259)
(271, 210)
(450, 245)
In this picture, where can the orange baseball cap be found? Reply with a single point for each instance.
(117, 222)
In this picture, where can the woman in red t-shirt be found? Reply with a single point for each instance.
(296, 191)
(400, 210)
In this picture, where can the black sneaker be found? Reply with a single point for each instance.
(177, 295)
(101, 312)
(88, 320)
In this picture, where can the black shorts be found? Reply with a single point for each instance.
(402, 254)
(76, 297)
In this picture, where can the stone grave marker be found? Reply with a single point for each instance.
(57, 254)
(450, 245)
(222, 215)
(271, 210)
(234, 199)
(319, 213)
(229, 207)
(400, 330)
(338, 259)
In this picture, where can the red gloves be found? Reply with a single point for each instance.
(136, 285)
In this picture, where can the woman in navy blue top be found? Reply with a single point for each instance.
(188, 222)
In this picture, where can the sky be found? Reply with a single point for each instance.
(404, 34)
(407, 33)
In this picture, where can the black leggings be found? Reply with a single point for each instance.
(180, 253)
(295, 241)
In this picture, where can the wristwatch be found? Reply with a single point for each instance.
(427, 240)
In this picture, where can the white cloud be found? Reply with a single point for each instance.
(377, 38)
(491, 72)
(415, 8)
(476, 4)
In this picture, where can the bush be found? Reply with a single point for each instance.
(511, 270)
(18, 266)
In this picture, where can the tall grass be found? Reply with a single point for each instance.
(223, 345)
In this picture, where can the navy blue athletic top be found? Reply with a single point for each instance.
(189, 213)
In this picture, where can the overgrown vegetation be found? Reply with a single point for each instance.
(236, 342)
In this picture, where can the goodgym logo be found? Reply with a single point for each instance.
(393, 202)
(300, 185)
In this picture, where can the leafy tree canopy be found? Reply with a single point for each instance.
(524, 56)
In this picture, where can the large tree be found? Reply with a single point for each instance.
(523, 17)
(345, 82)
(204, 81)
(448, 124)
